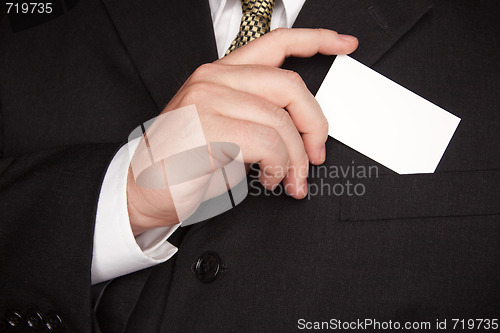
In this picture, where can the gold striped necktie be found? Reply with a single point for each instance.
(255, 22)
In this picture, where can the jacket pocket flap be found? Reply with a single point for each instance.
(457, 193)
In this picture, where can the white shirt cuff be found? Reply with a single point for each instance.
(116, 251)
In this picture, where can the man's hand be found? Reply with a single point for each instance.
(246, 99)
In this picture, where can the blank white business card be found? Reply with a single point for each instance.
(383, 120)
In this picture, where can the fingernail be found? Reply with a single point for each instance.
(348, 38)
(323, 154)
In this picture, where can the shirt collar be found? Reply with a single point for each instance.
(291, 8)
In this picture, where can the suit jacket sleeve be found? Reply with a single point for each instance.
(57, 138)
(48, 203)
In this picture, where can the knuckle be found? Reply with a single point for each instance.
(326, 31)
(281, 118)
(270, 139)
(196, 91)
(277, 33)
(324, 125)
(205, 71)
(294, 78)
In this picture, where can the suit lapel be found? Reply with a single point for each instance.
(378, 24)
(162, 31)
(166, 40)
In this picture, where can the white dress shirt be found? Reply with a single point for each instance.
(116, 251)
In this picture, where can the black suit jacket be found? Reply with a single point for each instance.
(413, 247)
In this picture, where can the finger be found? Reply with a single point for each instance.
(243, 106)
(221, 100)
(272, 48)
(285, 89)
(258, 143)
